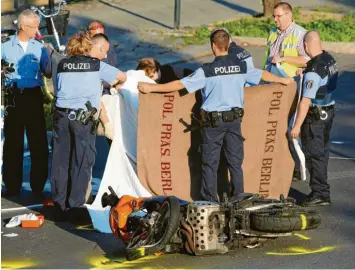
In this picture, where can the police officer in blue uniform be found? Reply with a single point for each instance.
(77, 100)
(222, 84)
(24, 108)
(315, 117)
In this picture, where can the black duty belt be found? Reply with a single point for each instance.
(14, 85)
(80, 115)
(319, 112)
(65, 110)
(324, 108)
(215, 117)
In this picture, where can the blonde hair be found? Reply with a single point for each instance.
(149, 65)
(79, 44)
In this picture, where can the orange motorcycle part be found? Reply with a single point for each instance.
(119, 215)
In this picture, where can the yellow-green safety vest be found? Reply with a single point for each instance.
(288, 47)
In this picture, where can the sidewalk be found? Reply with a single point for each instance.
(140, 28)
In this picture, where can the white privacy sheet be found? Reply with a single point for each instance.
(120, 171)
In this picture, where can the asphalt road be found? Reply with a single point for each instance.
(64, 245)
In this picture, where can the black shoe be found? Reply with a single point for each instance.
(78, 215)
(296, 177)
(38, 195)
(316, 201)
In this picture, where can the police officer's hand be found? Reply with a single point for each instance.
(145, 87)
(109, 132)
(287, 81)
(276, 59)
(295, 132)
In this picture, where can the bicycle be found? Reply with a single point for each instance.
(62, 17)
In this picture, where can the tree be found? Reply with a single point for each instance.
(269, 7)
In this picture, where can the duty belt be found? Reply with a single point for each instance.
(80, 114)
(215, 117)
(14, 85)
(320, 112)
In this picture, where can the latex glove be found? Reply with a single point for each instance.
(109, 133)
(16, 220)
(113, 91)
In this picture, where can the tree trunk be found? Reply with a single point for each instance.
(269, 7)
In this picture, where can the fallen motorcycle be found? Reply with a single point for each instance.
(167, 224)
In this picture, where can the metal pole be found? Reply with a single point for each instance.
(177, 12)
(51, 5)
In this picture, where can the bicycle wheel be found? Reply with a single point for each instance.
(159, 235)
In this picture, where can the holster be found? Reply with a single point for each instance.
(315, 112)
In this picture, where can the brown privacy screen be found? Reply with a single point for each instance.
(168, 154)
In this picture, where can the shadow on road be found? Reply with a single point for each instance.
(136, 14)
(236, 7)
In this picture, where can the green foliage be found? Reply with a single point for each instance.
(329, 29)
(329, 9)
(333, 30)
(200, 36)
(296, 12)
(48, 116)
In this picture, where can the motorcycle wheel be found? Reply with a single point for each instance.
(287, 221)
(167, 224)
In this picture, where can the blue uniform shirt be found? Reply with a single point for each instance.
(79, 80)
(28, 65)
(222, 83)
(311, 84)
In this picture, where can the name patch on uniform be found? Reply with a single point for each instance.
(227, 70)
(243, 55)
(76, 66)
(79, 64)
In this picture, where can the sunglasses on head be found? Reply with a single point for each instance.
(97, 26)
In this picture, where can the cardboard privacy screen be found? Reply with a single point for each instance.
(168, 153)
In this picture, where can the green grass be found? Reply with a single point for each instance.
(329, 9)
(329, 29)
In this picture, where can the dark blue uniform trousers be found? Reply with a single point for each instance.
(315, 135)
(27, 114)
(227, 135)
(73, 158)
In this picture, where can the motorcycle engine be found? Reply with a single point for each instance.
(208, 221)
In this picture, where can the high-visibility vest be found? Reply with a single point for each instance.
(288, 47)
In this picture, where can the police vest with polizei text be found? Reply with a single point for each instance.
(238, 51)
(324, 65)
(225, 65)
(79, 64)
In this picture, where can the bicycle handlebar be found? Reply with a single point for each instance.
(49, 15)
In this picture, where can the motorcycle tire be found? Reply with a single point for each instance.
(170, 230)
(283, 222)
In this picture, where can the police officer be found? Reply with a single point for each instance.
(77, 99)
(97, 27)
(315, 117)
(222, 83)
(24, 108)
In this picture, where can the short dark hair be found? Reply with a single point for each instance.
(220, 38)
(98, 37)
(284, 5)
